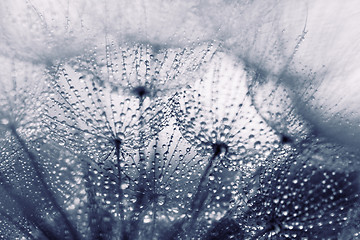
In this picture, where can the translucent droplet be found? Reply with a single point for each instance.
(161, 200)
(147, 219)
(4, 121)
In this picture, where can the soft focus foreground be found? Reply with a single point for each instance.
(173, 121)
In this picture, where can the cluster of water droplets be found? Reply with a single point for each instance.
(115, 109)
(140, 141)
(296, 199)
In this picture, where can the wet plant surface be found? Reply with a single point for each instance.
(199, 126)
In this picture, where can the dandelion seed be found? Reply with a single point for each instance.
(217, 115)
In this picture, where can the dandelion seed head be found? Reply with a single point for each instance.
(176, 121)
